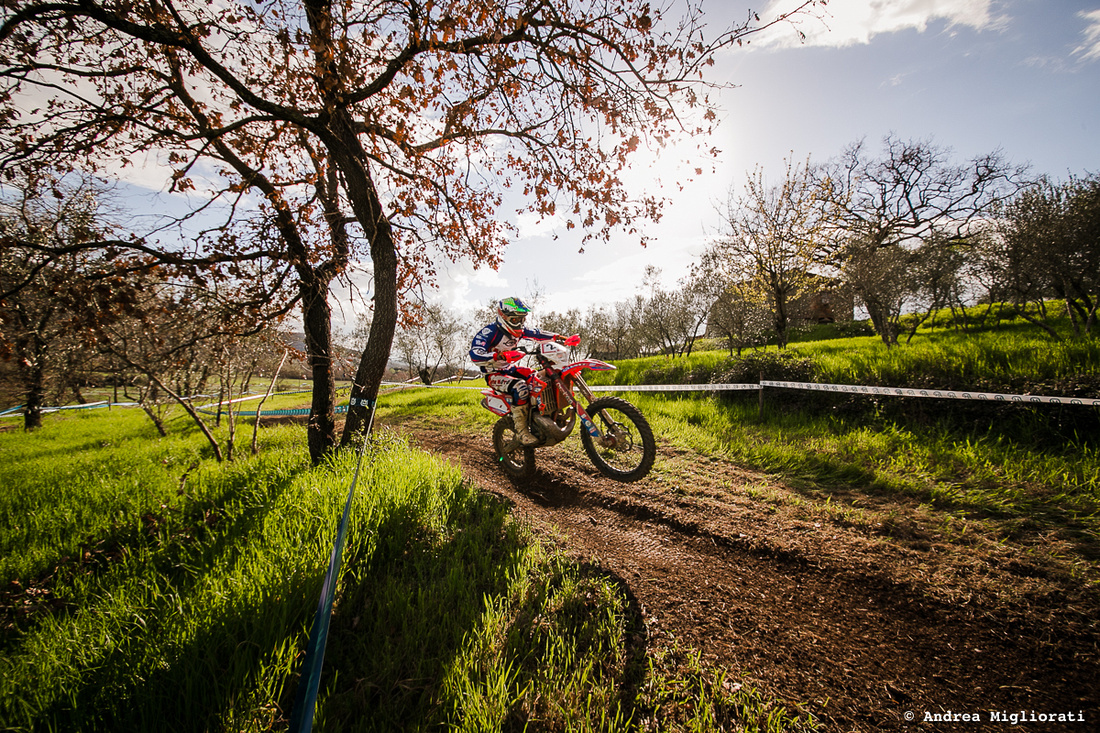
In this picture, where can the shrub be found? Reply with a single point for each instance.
(784, 366)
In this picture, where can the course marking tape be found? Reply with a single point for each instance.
(673, 387)
(933, 393)
(811, 386)
(818, 387)
(407, 385)
(309, 679)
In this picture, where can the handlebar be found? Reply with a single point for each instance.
(524, 350)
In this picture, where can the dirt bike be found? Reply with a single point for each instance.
(616, 436)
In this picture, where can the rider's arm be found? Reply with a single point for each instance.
(537, 334)
(481, 351)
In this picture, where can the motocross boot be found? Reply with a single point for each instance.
(520, 415)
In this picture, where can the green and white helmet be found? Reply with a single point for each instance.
(511, 313)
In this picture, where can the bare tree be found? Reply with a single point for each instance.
(570, 322)
(911, 194)
(435, 341)
(611, 331)
(774, 243)
(172, 329)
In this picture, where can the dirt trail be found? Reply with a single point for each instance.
(858, 609)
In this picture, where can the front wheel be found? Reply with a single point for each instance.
(627, 449)
(516, 460)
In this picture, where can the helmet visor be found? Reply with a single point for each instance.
(514, 320)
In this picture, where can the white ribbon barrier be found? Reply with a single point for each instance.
(674, 387)
(18, 411)
(815, 387)
(942, 394)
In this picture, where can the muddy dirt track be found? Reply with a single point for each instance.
(857, 608)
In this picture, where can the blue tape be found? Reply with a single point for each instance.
(305, 697)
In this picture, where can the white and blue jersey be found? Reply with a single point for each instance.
(493, 338)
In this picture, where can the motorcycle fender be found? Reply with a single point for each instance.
(593, 364)
(495, 404)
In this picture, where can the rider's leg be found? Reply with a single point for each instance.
(520, 415)
(521, 411)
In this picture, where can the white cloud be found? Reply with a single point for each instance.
(853, 22)
(1090, 49)
(530, 225)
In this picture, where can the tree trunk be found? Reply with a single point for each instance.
(317, 321)
(157, 422)
(36, 396)
(372, 365)
(229, 406)
(881, 322)
(782, 320)
(365, 203)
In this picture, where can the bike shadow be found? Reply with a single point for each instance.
(549, 491)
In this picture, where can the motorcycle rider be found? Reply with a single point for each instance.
(493, 350)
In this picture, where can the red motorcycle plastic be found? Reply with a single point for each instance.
(616, 436)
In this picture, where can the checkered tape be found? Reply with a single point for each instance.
(942, 394)
(817, 387)
(675, 388)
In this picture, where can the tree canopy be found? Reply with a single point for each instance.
(388, 129)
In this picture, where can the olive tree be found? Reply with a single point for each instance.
(1046, 245)
(774, 244)
(434, 339)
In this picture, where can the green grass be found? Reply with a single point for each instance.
(978, 472)
(950, 360)
(991, 466)
(144, 583)
(1017, 460)
(159, 589)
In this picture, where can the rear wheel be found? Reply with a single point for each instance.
(627, 449)
(516, 460)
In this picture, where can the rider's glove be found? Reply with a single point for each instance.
(508, 356)
(572, 340)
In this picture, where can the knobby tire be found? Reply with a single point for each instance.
(641, 435)
(519, 463)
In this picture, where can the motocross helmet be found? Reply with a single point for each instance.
(511, 313)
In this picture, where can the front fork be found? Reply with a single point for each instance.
(606, 441)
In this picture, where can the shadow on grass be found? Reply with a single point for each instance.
(145, 678)
(427, 597)
(405, 612)
(1030, 517)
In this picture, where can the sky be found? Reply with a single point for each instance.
(1022, 76)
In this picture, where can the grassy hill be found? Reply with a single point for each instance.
(146, 586)
(144, 582)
